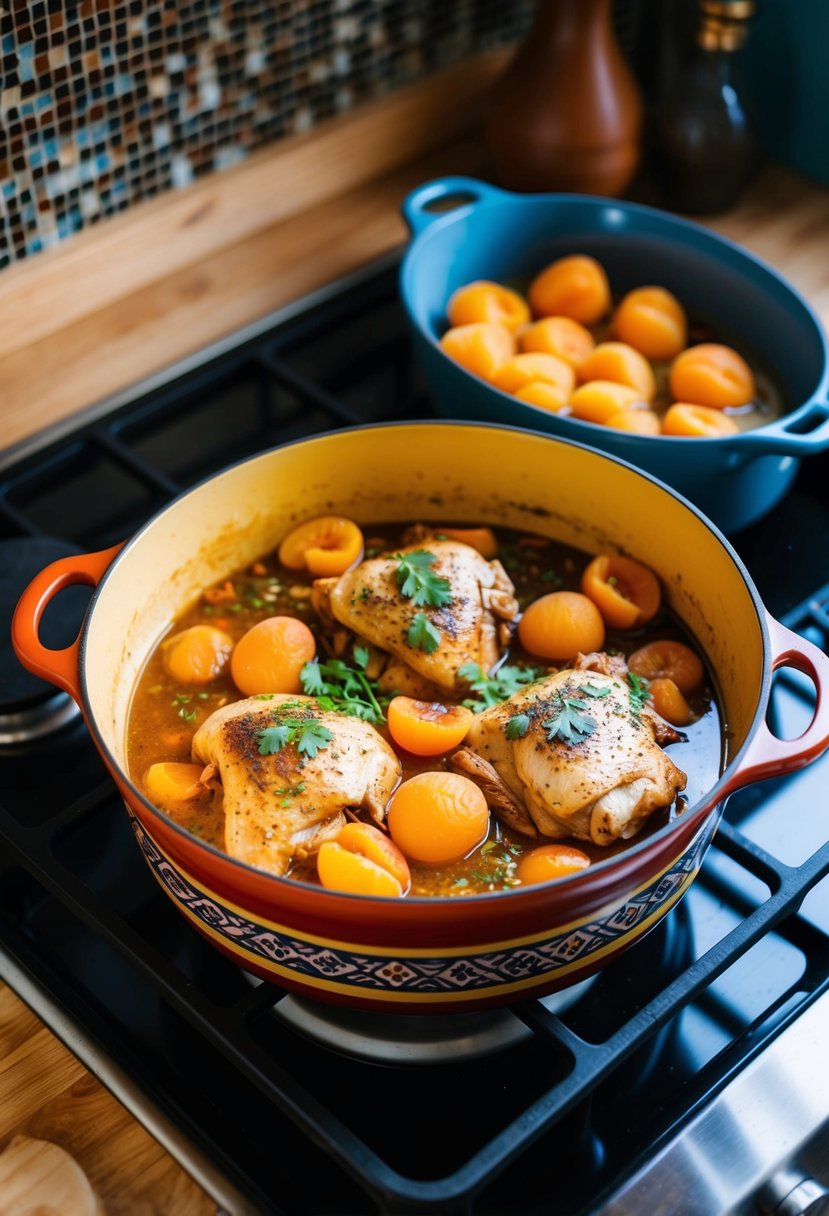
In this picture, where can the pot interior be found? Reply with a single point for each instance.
(450, 472)
(511, 240)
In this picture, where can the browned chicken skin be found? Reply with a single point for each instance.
(599, 784)
(472, 627)
(284, 805)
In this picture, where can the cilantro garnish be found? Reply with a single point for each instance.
(274, 738)
(422, 634)
(638, 695)
(492, 690)
(343, 688)
(181, 700)
(570, 722)
(308, 735)
(517, 726)
(288, 792)
(418, 583)
(497, 865)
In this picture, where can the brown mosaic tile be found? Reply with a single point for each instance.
(108, 102)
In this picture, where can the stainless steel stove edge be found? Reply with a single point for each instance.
(751, 1144)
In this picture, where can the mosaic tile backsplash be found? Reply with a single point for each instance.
(105, 103)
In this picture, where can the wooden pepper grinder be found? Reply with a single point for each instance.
(567, 113)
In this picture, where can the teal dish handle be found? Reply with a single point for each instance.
(800, 433)
(420, 208)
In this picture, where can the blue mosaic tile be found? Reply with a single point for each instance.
(180, 89)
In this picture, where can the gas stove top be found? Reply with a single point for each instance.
(686, 1077)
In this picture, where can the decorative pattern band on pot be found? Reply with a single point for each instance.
(412, 975)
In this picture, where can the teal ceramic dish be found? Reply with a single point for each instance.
(463, 229)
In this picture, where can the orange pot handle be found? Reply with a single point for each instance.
(60, 667)
(768, 756)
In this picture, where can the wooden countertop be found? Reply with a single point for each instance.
(85, 321)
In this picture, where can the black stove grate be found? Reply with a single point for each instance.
(585, 1095)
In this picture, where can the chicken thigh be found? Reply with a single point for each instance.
(288, 771)
(455, 609)
(573, 755)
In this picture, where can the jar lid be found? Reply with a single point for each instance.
(723, 26)
(729, 10)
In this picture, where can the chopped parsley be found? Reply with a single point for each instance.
(422, 634)
(496, 865)
(419, 583)
(348, 690)
(517, 726)
(638, 695)
(570, 722)
(288, 792)
(494, 689)
(182, 699)
(306, 734)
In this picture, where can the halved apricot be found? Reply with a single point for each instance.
(484, 300)
(560, 336)
(550, 861)
(574, 286)
(482, 539)
(626, 592)
(377, 846)
(341, 869)
(481, 347)
(599, 400)
(712, 374)
(652, 320)
(667, 658)
(169, 783)
(427, 728)
(639, 422)
(669, 702)
(620, 362)
(545, 396)
(531, 366)
(325, 546)
(197, 655)
(685, 420)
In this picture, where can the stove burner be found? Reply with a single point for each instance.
(29, 707)
(383, 1038)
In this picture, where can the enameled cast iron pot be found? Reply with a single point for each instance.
(424, 954)
(463, 230)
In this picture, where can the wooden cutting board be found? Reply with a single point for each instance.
(67, 1146)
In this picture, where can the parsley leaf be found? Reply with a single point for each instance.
(492, 690)
(517, 726)
(417, 581)
(307, 734)
(570, 721)
(638, 695)
(348, 690)
(311, 738)
(288, 792)
(422, 635)
(274, 738)
(310, 676)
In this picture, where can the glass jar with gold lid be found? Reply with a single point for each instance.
(704, 146)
